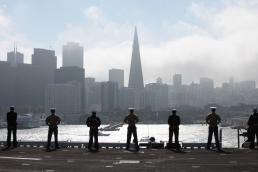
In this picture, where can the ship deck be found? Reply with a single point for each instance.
(37, 159)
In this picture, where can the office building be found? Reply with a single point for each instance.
(117, 75)
(73, 55)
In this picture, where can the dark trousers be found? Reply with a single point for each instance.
(253, 133)
(52, 130)
(11, 129)
(132, 130)
(173, 130)
(93, 133)
(216, 135)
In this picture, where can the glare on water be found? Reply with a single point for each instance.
(188, 133)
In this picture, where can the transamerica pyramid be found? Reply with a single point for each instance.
(136, 78)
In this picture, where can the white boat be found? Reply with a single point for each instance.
(3, 124)
(27, 121)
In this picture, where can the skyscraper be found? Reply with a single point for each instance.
(109, 96)
(66, 98)
(38, 75)
(136, 78)
(69, 74)
(44, 58)
(177, 80)
(14, 57)
(117, 75)
(72, 55)
(156, 96)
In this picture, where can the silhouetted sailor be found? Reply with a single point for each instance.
(174, 122)
(253, 128)
(93, 122)
(11, 127)
(52, 121)
(131, 120)
(213, 120)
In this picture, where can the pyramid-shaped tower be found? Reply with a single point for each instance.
(136, 78)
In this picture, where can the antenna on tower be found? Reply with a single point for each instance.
(15, 47)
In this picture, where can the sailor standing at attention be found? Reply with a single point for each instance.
(52, 121)
(213, 119)
(131, 120)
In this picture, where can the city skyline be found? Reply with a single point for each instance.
(125, 82)
(195, 38)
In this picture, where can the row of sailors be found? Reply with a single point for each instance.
(93, 122)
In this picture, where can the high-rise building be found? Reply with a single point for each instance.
(126, 98)
(7, 84)
(136, 77)
(14, 57)
(109, 96)
(42, 70)
(66, 98)
(156, 96)
(177, 80)
(69, 74)
(207, 84)
(92, 95)
(117, 75)
(246, 85)
(73, 55)
(206, 91)
(30, 84)
(44, 58)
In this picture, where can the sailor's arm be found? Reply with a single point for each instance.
(47, 121)
(15, 117)
(136, 119)
(58, 120)
(126, 120)
(219, 119)
(99, 122)
(208, 119)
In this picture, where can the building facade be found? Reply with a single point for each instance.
(73, 55)
(117, 75)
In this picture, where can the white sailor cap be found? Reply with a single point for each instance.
(213, 108)
(173, 110)
(131, 108)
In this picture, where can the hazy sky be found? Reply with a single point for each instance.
(197, 38)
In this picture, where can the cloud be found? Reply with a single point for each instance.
(224, 44)
(216, 41)
(94, 13)
(9, 35)
(4, 22)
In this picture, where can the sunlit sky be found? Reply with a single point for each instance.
(197, 38)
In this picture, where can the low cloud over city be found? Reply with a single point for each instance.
(205, 39)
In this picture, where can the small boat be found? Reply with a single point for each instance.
(112, 127)
(103, 134)
(3, 124)
(27, 121)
